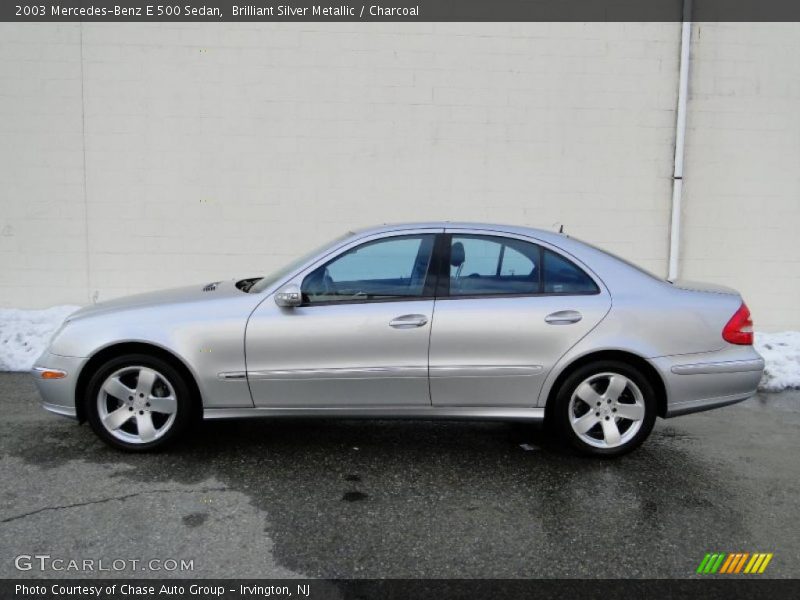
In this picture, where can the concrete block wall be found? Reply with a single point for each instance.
(134, 157)
(741, 213)
(42, 194)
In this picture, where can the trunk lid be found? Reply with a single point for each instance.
(699, 286)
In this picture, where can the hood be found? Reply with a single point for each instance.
(182, 295)
(699, 286)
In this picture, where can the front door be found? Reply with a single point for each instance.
(360, 336)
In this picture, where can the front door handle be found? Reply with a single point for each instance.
(408, 321)
(563, 317)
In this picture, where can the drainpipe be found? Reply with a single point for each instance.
(680, 136)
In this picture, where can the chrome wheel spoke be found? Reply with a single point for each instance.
(634, 412)
(144, 424)
(611, 432)
(616, 385)
(586, 422)
(586, 393)
(144, 386)
(166, 405)
(118, 418)
(114, 387)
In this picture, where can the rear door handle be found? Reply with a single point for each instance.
(408, 321)
(563, 317)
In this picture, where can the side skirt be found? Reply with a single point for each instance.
(390, 412)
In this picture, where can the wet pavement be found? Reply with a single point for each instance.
(315, 498)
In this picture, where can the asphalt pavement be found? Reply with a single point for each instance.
(316, 498)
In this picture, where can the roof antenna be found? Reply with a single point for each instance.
(561, 229)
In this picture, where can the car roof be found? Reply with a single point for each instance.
(542, 234)
(612, 270)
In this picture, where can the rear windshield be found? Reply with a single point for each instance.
(625, 261)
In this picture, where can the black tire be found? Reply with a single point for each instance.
(184, 412)
(560, 414)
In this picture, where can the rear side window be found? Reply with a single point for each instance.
(495, 266)
(563, 277)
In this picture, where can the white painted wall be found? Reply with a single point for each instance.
(135, 156)
(742, 182)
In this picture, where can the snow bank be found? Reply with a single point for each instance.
(24, 334)
(781, 351)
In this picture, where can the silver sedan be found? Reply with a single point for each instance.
(433, 320)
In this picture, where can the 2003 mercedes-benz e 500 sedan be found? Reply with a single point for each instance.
(435, 320)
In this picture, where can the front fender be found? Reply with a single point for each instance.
(207, 340)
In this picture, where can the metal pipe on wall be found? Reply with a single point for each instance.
(680, 136)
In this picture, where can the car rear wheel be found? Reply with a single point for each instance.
(606, 408)
(137, 403)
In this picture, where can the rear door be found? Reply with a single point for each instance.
(506, 310)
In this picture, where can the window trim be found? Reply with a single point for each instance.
(443, 287)
(428, 286)
(499, 270)
(437, 280)
(367, 301)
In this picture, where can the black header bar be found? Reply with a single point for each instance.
(396, 10)
(708, 588)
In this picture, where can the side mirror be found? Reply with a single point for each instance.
(289, 296)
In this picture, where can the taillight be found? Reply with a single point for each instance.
(739, 330)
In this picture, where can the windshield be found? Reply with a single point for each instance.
(265, 282)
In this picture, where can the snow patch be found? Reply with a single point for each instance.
(25, 334)
(781, 352)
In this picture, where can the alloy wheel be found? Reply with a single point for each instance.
(606, 410)
(137, 404)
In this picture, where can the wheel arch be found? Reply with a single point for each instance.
(636, 361)
(120, 349)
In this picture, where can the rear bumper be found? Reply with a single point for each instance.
(698, 382)
(714, 368)
(58, 395)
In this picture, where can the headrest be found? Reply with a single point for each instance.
(457, 255)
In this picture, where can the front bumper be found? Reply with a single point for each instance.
(697, 382)
(58, 395)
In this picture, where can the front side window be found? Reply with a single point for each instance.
(385, 269)
(264, 282)
(487, 265)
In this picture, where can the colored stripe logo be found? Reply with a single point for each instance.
(734, 563)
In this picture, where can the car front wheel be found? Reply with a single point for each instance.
(606, 408)
(137, 403)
